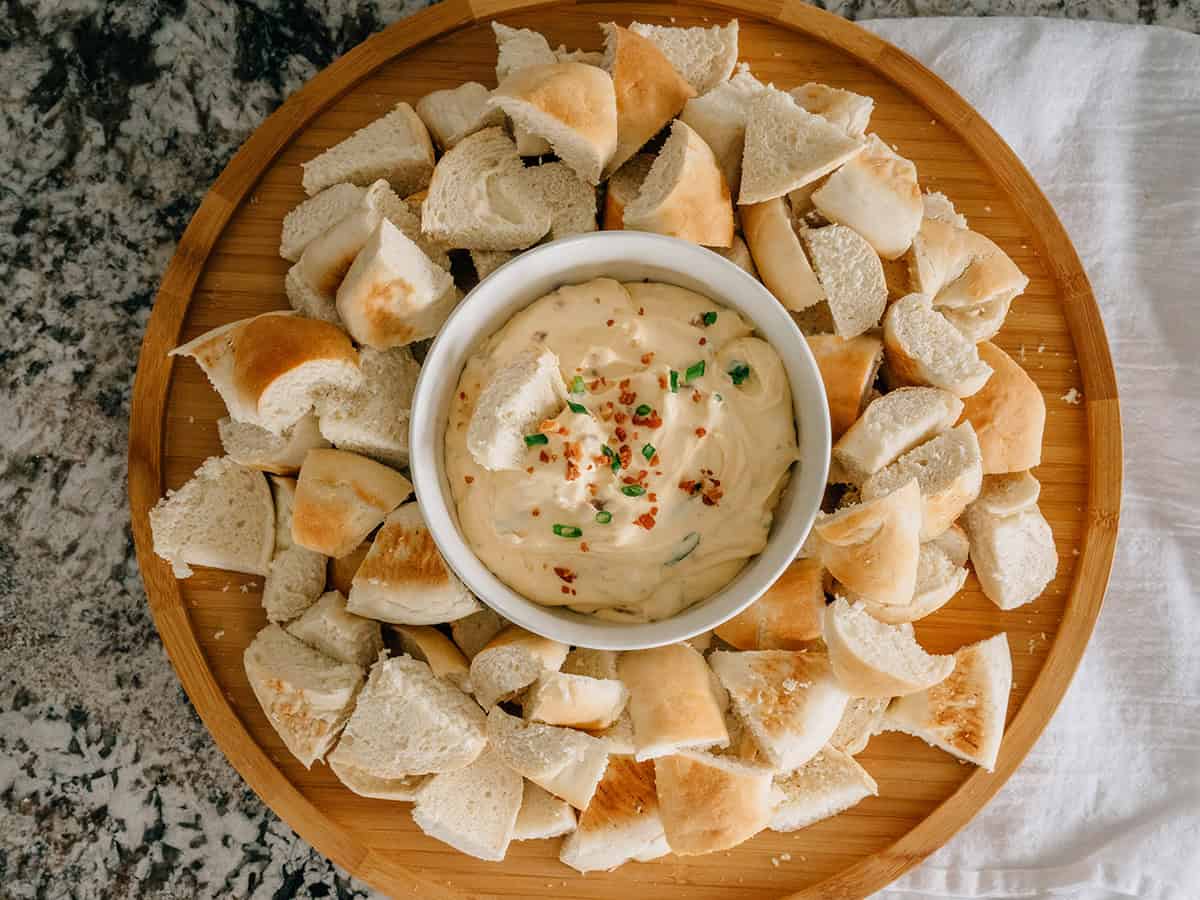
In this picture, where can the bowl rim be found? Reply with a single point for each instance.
(468, 326)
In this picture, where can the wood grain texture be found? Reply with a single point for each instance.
(227, 267)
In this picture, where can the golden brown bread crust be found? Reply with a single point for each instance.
(786, 617)
(577, 95)
(340, 497)
(672, 700)
(407, 556)
(707, 807)
(268, 347)
(443, 657)
(848, 370)
(650, 93)
(625, 793)
(551, 653)
(778, 255)
(1008, 414)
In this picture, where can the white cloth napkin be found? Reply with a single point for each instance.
(1107, 118)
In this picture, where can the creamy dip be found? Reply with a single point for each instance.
(655, 485)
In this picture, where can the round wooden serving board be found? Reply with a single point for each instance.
(227, 267)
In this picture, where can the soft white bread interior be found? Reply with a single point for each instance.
(410, 722)
(778, 255)
(892, 425)
(1004, 495)
(602, 664)
(472, 633)
(270, 369)
(941, 573)
(404, 788)
(591, 57)
(848, 369)
(964, 714)
(649, 92)
(297, 575)
(621, 823)
(569, 764)
(572, 105)
(851, 275)
(519, 395)
(786, 617)
(703, 56)
(1008, 414)
(860, 722)
(622, 189)
(739, 254)
(960, 268)
(473, 809)
(787, 147)
(708, 803)
(873, 659)
(452, 114)
(306, 696)
(829, 783)
(327, 626)
(938, 206)
(576, 701)
(519, 48)
(477, 199)
(876, 194)
(542, 815)
(847, 110)
(789, 700)
(873, 547)
(395, 147)
(949, 471)
(372, 419)
(340, 498)
(719, 117)
(570, 199)
(684, 194)
(317, 215)
(404, 578)
(257, 448)
(673, 701)
(430, 646)
(510, 662)
(393, 293)
(486, 262)
(924, 348)
(312, 283)
(1013, 554)
(223, 517)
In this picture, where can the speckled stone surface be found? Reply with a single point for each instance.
(115, 119)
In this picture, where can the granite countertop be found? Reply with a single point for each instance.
(115, 120)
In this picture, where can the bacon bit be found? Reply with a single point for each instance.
(654, 462)
(462, 395)
(702, 341)
(573, 592)
(642, 473)
(572, 471)
(645, 520)
(654, 510)
(652, 497)
(635, 435)
(628, 479)
(564, 573)
(713, 496)
(601, 460)
(606, 411)
(628, 398)
(651, 421)
(529, 470)
(662, 382)
(625, 455)
(610, 322)
(624, 383)
(583, 547)
(701, 432)
(689, 486)
(591, 489)
(535, 512)
(620, 418)
(469, 479)
(597, 384)
(565, 589)
(547, 426)
(571, 450)
(620, 433)
(590, 467)
(647, 358)
(544, 456)
(641, 310)
(695, 396)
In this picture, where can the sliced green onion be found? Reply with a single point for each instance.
(648, 451)
(633, 490)
(613, 459)
(577, 408)
(568, 531)
(694, 371)
(643, 410)
(674, 382)
(532, 440)
(709, 317)
(577, 386)
(603, 517)
(739, 373)
(686, 546)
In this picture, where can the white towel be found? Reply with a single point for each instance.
(1107, 118)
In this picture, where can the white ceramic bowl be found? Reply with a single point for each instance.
(625, 256)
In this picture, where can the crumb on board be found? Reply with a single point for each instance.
(777, 54)
(247, 588)
(987, 209)
(1074, 551)
(217, 635)
(1072, 396)
(1042, 347)
(225, 589)
(191, 420)
(1021, 352)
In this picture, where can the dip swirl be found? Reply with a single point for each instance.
(655, 485)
